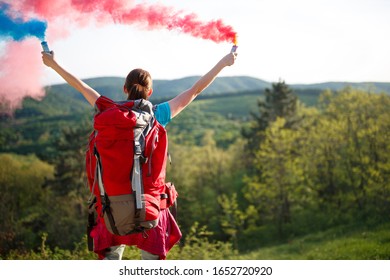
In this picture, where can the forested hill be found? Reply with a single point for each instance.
(61, 99)
(254, 169)
(368, 86)
(164, 89)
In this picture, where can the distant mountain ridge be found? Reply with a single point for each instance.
(369, 86)
(232, 97)
(164, 89)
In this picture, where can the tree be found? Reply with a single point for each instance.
(280, 102)
(361, 123)
(278, 187)
(69, 161)
(69, 186)
(202, 174)
(5, 109)
(233, 218)
(331, 169)
(25, 200)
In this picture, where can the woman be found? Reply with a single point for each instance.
(138, 84)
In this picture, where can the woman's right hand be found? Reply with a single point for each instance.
(48, 59)
(89, 93)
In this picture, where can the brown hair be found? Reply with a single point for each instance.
(138, 84)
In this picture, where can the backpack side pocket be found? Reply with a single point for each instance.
(119, 214)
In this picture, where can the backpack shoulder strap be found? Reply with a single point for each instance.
(103, 103)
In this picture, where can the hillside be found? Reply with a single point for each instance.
(231, 100)
(228, 97)
(164, 89)
(333, 181)
(61, 99)
(369, 86)
(356, 242)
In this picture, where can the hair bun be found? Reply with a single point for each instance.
(138, 84)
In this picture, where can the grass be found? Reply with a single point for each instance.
(334, 244)
(342, 243)
(234, 106)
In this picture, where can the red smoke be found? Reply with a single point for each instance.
(156, 16)
(63, 14)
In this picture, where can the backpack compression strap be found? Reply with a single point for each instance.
(136, 177)
(142, 109)
(103, 196)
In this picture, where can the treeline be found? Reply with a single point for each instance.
(290, 171)
(317, 168)
(296, 169)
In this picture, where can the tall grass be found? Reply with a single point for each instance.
(335, 244)
(340, 243)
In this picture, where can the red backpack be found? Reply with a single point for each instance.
(125, 166)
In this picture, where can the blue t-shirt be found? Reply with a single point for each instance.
(163, 113)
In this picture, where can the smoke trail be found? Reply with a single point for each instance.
(156, 16)
(16, 28)
(20, 71)
(21, 19)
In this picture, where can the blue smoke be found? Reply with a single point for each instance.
(17, 29)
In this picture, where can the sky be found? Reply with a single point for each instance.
(298, 41)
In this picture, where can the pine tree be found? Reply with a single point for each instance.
(280, 101)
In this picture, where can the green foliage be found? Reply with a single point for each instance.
(69, 187)
(202, 174)
(51, 198)
(351, 161)
(280, 186)
(233, 219)
(341, 243)
(310, 169)
(69, 159)
(191, 126)
(24, 200)
(333, 168)
(44, 252)
(197, 246)
(280, 102)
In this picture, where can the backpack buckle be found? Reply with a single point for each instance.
(137, 149)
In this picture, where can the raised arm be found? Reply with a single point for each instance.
(89, 93)
(178, 103)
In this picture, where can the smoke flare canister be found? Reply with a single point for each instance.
(45, 47)
(234, 48)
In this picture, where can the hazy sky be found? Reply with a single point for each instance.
(299, 41)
